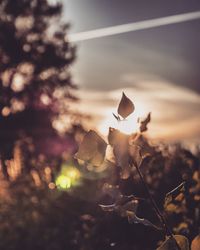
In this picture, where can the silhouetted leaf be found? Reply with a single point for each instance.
(170, 244)
(92, 149)
(126, 106)
(174, 193)
(196, 243)
(122, 204)
(144, 123)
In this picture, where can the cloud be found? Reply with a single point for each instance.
(175, 109)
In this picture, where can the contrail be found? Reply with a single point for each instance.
(124, 28)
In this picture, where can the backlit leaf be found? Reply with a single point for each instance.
(92, 149)
(120, 144)
(196, 243)
(126, 106)
(135, 153)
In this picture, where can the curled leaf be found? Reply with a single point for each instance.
(174, 193)
(108, 208)
(126, 106)
(121, 205)
(144, 123)
(170, 244)
(92, 149)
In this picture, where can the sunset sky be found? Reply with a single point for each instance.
(158, 68)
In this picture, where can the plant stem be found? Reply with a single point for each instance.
(168, 231)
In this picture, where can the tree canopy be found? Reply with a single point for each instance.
(34, 69)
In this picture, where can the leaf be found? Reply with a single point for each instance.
(108, 208)
(169, 197)
(144, 123)
(170, 244)
(136, 156)
(120, 144)
(122, 203)
(142, 142)
(125, 169)
(196, 243)
(126, 106)
(115, 137)
(132, 218)
(92, 149)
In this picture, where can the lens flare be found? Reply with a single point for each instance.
(63, 182)
(68, 177)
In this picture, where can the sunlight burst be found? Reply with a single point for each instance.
(128, 126)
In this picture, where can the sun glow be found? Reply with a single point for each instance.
(128, 126)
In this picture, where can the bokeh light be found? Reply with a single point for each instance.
(69, 176)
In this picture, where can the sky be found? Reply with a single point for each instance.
(158, 68)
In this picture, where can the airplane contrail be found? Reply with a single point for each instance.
(124, 28)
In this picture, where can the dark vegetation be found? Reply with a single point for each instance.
(97, 208)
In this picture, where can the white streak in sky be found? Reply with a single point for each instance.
(147, 24)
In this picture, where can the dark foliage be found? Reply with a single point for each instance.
(35, 58)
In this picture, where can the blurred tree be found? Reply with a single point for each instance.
(34, 70)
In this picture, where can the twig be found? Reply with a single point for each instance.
(168, 231)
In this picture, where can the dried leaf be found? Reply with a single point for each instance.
(92, 149)
(170, 244)
(174, 193)
(144, 123)
(126, 106)
(196, 243)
